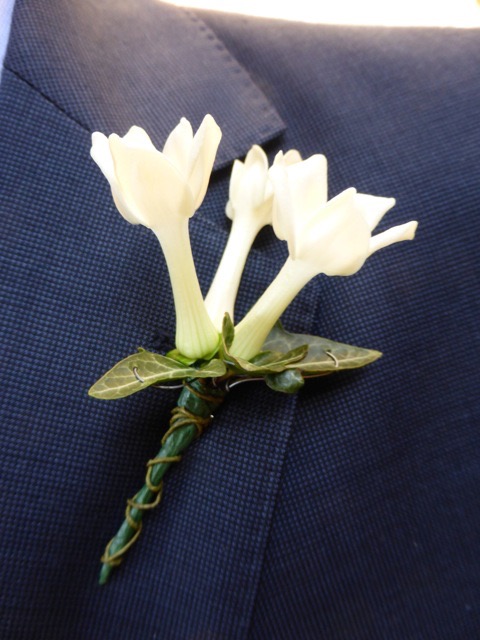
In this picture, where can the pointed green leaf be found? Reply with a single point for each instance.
(142, 369)
(261, 364)
(227, 331)
(269, 361)
(323, 356)
(266, 358)
(288, 381)
(211, 369)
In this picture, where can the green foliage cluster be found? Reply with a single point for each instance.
(285, 360)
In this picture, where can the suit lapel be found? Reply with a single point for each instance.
(109, 65)
(105, 66)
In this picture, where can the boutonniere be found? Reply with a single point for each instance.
(162, 190)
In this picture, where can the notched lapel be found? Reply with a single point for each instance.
(107, 66)
(113, 64)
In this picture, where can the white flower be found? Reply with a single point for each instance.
(331, 237)
(162, 190)
(250, 208)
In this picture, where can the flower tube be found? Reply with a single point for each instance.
(162, 190)
(331, 237)
(250, 209)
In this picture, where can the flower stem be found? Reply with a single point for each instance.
(196, 337)
(198, 399)
(221, 297)
(252, 331)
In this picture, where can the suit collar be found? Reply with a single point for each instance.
(107, 69)
(109, 65)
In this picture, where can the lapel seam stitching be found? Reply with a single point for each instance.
(236, 68)
(47, 98)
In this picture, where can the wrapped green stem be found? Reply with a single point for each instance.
(196, 403)
(286, 358)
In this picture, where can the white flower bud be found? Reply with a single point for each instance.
(162, 190)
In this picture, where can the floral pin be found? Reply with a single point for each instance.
(162, 190)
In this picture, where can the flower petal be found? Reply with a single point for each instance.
(236, 178)
(283, 218)
(256, 166)
(100, 152)
(256, 156)
(247, 187)
(308, 185)
(151, 185)
(373, 208)
(202, 157)
(178, 146)
(138, 137)
(291, 157)
(300, 193)
(336, 242)
(394, 234)
(102, 155)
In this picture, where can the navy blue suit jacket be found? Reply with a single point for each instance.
(349, 511)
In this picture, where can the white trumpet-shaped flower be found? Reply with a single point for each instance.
(250, 209)
(162, 190)
(331, 237)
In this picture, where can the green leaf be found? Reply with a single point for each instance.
(266, 358)
(288, 381)
(142, 369)
(263, 363)
(228, 331)
(269, 361)
(323, 356)
(211, 369)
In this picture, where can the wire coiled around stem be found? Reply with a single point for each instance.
(189, 419)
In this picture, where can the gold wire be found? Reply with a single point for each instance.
(180, 418)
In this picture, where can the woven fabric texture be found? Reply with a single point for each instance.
(348, 511)
(377, 516)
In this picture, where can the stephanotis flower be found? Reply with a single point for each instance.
(331, 237)
(250, 208)
(162, 190)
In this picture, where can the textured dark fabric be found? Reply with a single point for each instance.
(110, 65)
(350, 511)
